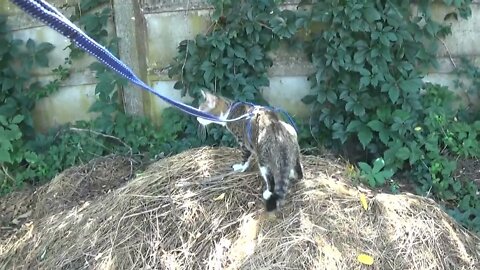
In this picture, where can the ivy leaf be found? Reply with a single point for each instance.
(309, 99)
(359, 56)
(339, 132)
(254, 54)
(44, 47)
(384, 113)
(393, 94)
(215, 54)
(219, 72)
(239, 51)
(378, 165)
(7, 84)
(364, 167)
(364, 81)
(365, 136)
(5, 155)
(358, 109)
(332, 97)
(208, 75)
(415, 152)
(410, 85)
(371, 14)
(17, 119)
(178, 85)
(321, 97)
(376, 125)
(354, 126)
(41, 59)
(30, 45)
(364, 72)
(206, 65)
(387, 174)
(403, 153)
(384, 136)
(384, 39)
(392, 36)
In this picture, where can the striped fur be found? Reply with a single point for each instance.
(272, 141)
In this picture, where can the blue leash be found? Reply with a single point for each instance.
(52, 17)
(49, 15)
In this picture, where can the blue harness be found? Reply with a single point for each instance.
(53, 18)
(251, 113)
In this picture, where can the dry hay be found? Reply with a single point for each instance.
(190, 211)
(15, 209)
(83, 183)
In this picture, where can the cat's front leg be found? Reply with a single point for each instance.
(247, 158)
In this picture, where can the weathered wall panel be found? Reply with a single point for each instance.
(167, 22)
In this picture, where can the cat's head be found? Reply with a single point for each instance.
(214, 105)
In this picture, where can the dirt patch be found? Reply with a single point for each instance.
(15, 209)
(468, 169)
(190, 211)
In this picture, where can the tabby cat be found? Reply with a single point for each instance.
(264, 136)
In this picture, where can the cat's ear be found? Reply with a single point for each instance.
(211, 100)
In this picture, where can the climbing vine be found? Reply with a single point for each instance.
(367, 96)
(17, 97)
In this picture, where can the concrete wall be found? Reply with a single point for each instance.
(77, 93)
(463, 42)
(152, 34)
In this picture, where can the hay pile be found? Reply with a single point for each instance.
(190, 211)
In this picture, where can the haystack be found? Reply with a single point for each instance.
(190, 211)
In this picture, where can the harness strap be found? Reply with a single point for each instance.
(249, 130)
(49, 15)
(251, 113)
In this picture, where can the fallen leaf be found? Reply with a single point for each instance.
(220, 197)
(363, 201)
(365, 259)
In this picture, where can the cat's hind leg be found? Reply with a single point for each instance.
(247, 157)
(268, 194)
(298, 169)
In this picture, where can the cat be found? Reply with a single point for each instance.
(265, 136)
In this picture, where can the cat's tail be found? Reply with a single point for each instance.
(279, 190)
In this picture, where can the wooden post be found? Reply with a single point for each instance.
(130, 27)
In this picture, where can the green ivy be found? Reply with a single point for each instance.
(232, 58)
(376, 175)
(18, 93)
(368, 101)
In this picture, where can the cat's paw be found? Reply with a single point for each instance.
(240, 167)
(267, 194)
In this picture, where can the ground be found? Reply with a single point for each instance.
(190, 211)
(99, 176)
